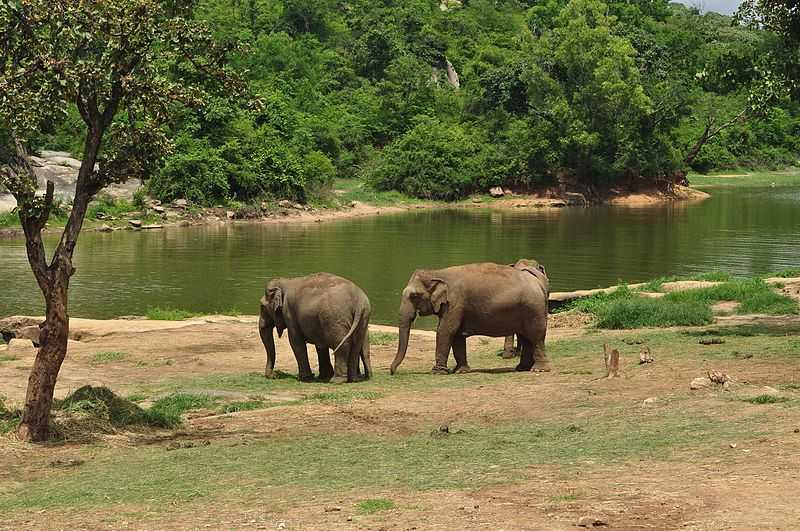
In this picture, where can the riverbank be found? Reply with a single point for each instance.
(109, 215)
(417, 450)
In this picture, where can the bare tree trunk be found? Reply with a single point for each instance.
(53, 281)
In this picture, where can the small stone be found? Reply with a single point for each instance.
(152, 227)
(507, 191)
(718, 377)
(285, 203)
(649, 401)
(797, 430)
(180, 203)
(645, 356)
(496, 191)
(349, 518)
(334, 509)
(230, 214)
(712, 341)
(353, 204)
(591, 521)
(159, 209)
(700, 383)
(105, 228)
(733, 445)
(135, 223)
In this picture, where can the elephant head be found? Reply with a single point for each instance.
(271, 317)
(425, 294)
(536, 269)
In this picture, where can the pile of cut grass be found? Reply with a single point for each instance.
(99, 410)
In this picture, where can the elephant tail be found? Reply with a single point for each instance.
(356, 321)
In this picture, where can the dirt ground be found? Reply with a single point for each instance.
(739, 473)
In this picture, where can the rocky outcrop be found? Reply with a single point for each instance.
(62, 169)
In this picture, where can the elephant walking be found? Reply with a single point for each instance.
(322, 309)
(538, 274)
(476, 299)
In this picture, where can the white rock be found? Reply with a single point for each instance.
(105, 228)
(649, 401)
(135, 223)
(700, 383)
(180, 203)
(496, 191)
(21, 347)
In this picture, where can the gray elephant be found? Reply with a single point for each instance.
(476, 299)
(538, 274)
(322, 309)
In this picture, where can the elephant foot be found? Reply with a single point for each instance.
(437, 369)
(462, 369)
(523, 368)
(338, 380)
(306, 377)
(541, 367)
(324, 377)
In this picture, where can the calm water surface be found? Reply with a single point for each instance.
(222, 268)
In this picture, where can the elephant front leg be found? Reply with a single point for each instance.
(460, 354)
(444, 340)
(325, 367)
(301, 355)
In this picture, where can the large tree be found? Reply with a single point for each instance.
(126, 65)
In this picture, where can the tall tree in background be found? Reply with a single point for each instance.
(126, 65)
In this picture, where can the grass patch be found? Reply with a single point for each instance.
(375, 505)
(791, 387)
(163, 314)
(9, 418)
(766, 399)
(753, 295)
(747, 179)
(656, 285)
(475, 457)
(624, 309)
(382, 338)
(358, 190)
(107, 206)
(791, 272)
(244, 405)
(108, 357)
(7, 357)
(344, 397)
(170, 409)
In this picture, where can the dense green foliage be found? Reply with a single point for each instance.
(591, 92)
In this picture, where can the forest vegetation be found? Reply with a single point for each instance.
(438, 100)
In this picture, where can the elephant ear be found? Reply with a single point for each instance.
(276, 299)
(438, 294)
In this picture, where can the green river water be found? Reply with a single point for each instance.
(224, 267)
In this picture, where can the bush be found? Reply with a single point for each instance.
(195, 172)
(432, 161)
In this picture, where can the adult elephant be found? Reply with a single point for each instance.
(325, 310)
(538, 275)
(476, 299)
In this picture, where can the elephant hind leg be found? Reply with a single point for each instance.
(365, 357)
(325, 367)
(526, 356)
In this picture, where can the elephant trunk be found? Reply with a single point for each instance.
(407, 315)
(265, 327)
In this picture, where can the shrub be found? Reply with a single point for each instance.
(434, 160)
